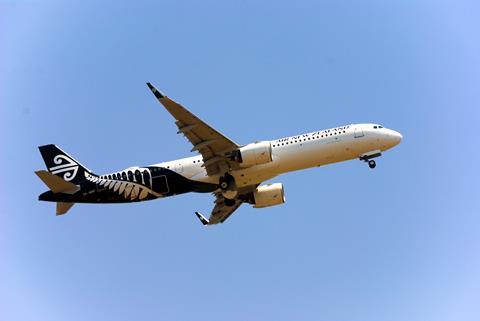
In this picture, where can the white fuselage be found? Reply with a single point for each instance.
(300, 152)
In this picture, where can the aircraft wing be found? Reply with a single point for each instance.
(220, 212)
(210, 143)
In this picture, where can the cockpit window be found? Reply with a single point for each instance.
(380, 126)
(375, 127)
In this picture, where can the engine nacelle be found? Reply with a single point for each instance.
(268, 195)
(255, 154)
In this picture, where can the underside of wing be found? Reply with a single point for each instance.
(224, 207)
(222, 210)
(211, 144)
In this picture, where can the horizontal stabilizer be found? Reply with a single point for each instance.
(202, 218)
(57, 184)
(63, 207)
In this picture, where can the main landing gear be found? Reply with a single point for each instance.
(229, 189)
(223, 184)
(226, 182)
(372, 164)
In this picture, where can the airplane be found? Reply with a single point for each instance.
(232, 172)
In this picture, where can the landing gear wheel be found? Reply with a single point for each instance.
(223, 184)
(229, 189)
(372, 164)
(226, 182)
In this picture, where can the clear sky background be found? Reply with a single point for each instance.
(400, 242)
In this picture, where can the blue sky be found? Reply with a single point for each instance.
(400, 242)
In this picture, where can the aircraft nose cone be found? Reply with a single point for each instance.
(397, 137)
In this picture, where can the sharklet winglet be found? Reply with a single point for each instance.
(155, 91)
(202, 218)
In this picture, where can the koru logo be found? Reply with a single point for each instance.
(64, 165)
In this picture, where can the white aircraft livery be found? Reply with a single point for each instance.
(233, 173)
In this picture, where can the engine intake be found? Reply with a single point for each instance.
(268, 195)
(254, 154)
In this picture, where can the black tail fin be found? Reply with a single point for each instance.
(63, 165)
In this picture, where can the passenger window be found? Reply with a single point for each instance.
(138, 176)
(130, 176)
(124, 176)
(146, 178)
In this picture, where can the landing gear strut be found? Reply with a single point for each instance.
(372, 164)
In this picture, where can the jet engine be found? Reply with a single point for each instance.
(254, 154)
(268, 195)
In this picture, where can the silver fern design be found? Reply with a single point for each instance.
(64, 165)
(129, 190)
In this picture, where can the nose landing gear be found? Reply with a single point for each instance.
(367, 157)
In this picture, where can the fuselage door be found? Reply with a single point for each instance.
(358, 132)
(160, 184)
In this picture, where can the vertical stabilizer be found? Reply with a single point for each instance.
(63, 165)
